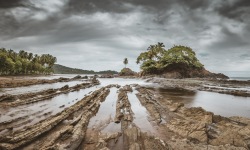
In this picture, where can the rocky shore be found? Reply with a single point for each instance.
(142, 119)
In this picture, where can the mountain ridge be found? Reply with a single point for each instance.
(60, 69)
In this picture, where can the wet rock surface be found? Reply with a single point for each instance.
(22, 99)
(201, 129)
(72, 130)
(129, 136)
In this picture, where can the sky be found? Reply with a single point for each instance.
(99, 34)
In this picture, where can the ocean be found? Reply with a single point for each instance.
(240, 78)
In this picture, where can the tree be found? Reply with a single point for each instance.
(154, 52)
(24, 62)
(125, 61)
(3, 59)
(157, 59)
(180, 56)
(150, 59)
(30, 56)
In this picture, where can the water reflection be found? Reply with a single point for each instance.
(106, 113)
(179, 95)
(226, 105)
(221, 104)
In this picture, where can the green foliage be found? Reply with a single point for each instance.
(157, 59)
(149, 66)
(25, 63)
(180, 55)
(154, 52)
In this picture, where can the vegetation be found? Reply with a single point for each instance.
(125, 61)
(12, 63)
(156, 59)
(60, 69)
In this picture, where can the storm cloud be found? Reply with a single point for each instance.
(99, 34)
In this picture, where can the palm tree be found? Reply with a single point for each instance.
(23, 54)
(155, 51)
(125, 61)
(24, 62)
(30, 56)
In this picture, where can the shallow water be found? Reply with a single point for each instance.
(240, 78)
(220, 104)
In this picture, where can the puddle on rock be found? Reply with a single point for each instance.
(141, 115)
(103, 120)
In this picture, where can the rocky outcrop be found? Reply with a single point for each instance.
(80, 77)
(107, 76)
(123, 107)
(179, 72)
(127, 72)
(193, 73)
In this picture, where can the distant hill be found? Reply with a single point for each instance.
(60, 69)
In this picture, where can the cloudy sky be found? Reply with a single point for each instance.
(99, 34)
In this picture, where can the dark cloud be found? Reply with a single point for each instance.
(83, 33)
(9, 24)
(229, 40)
(118, 6)
(124, 6)
(194, 4)
(90, 6)
(234, 10)
(11, 3)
